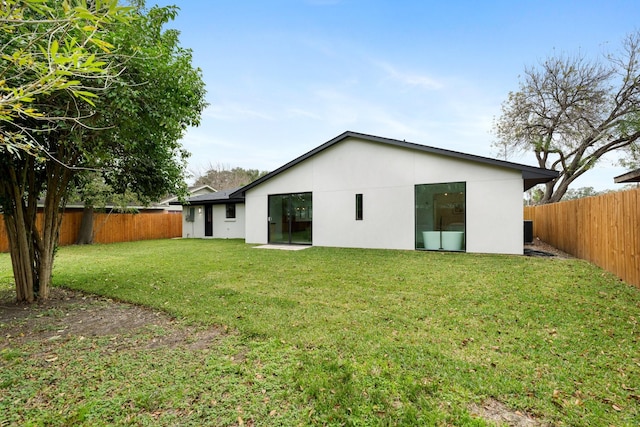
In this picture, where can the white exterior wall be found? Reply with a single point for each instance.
(193, 229)
(223, 228)
(386, 176)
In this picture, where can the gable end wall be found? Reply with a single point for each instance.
(386, 176)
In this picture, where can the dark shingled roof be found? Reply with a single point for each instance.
(530, 174)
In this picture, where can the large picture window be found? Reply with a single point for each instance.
(441, 216)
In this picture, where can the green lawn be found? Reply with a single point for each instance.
(330, 336)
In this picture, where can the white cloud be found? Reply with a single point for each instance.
(299, 112)
(346, 110)
(409, 78)
(196, 138)
(320, 45)
(338, 108)
(234, 112)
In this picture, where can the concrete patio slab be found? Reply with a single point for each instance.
(283, 247)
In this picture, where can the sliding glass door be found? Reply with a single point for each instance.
(290, 218)
(441, 216)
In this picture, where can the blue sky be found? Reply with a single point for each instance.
(284, 76)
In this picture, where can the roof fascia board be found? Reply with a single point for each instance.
(209, 202)
(528, 172)
(633, 176)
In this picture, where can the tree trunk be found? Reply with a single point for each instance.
(556, 189)
(85, 235)
(18, 193)
(58, 177)
(33, 236)
(20, 258)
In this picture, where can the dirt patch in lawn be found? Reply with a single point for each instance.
(499, 413)
(540, 248)
(73, 314)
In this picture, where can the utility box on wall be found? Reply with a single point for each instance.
(528, 232)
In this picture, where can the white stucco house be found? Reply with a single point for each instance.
(213, 215)
(366, 191)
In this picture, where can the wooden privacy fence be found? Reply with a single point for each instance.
(111, 228)
(602, 230)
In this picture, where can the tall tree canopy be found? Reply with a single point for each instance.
(632, 158)
(49, 47)
(141, 104)
(571, 111)
(223, 177)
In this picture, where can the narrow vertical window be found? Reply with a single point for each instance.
(358, 207)
(231, 210)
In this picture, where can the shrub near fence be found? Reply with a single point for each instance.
(112, 228)
(603, 230)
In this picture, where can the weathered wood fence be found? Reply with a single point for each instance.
(603, 230)
(112, 227)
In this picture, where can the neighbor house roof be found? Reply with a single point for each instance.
(199, 189)
(223, 196)
(530, 174)
(633, 176)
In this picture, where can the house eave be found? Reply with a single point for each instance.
(217, 198)
(209, 202)
(531, 175)
(533, 178)
(629, 177)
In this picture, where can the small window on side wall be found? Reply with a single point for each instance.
(191, 215)
(358, 207)
(231, 210)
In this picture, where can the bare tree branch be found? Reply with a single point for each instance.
(571, 112)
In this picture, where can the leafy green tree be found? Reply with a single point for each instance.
(222, 177)
(143, 117)
(128, 134)
(533, 196)
(631, 160)
(579, 193)
(49, 47)
(571, 111)
(95, 194)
